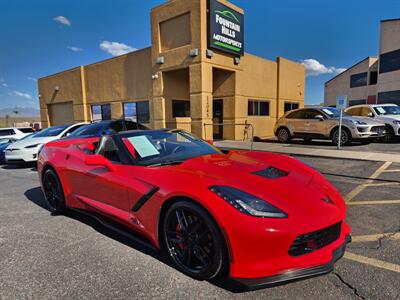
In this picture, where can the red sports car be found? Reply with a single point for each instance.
(262, 218)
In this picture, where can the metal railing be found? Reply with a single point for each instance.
(245, 132)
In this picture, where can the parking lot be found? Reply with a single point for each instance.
(73, 256)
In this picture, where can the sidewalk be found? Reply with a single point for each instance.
(286, 149)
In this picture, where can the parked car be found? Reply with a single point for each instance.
(97, 129)
(15, 133)
(262, 218)
(323, 123)
(26, 150)
(389, 114)
(4, 143)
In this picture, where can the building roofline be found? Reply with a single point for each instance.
(390, 20)
(348, 69)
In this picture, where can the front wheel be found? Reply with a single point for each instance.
(194, 241)
(345, 137)
(53, 192)
(389, 134)
(283, 135)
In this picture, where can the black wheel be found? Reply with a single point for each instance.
(389, 134)
(194, 241)
(345, 137)
(283, 135)
(53, 191)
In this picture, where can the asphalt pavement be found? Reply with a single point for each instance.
(73, 256)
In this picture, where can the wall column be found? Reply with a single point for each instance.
(201, 99)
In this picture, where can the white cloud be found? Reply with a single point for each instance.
(4, 84)
(115, 48)
(75, 49)
(20, 94)
(62, 20)
(315, 68)
(31, 79)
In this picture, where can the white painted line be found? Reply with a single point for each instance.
(375, 237)
(374, 202)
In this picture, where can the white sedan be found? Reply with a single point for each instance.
(26, 150)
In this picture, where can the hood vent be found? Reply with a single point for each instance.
(271, 173)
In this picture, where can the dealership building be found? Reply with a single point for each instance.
(374, 79)
(195, 75)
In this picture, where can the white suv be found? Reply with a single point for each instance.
(385, 113)
(15, 133)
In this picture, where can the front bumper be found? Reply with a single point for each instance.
(367, 131)
(293, 275)
(21, 156)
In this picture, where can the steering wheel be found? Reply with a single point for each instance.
(177, 149)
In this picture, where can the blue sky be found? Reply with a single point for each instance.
(35, 43)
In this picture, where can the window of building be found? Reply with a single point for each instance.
(180, 109)
(389, 97)
(137, 111)
(373, 77)
(358, 80)
(357, 102)
(258, 108)
(389, 61)
(101, 112)
(290, 106)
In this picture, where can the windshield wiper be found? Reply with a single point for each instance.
(166, 163)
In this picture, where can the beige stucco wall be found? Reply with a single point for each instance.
(137, 76)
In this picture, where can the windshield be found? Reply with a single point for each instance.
(88, 130)
(51, 131)
(387, 110)
(152, 148)
(333, 113)
(5, 141)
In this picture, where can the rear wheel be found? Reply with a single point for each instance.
(345, 137)
(53, 191)
(283, 135)
(194, 241)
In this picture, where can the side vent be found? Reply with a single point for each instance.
(271, 173)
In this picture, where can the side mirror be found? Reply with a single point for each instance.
(370, 114)
(210, 142)
(319, 117)
(99, 160)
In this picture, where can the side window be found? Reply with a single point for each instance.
(299, 114)
(366, 111)
(356, 111)
(311, 114)
(117, 126)
(5, 132)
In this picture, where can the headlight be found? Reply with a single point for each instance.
(396, 122)
(356, 122)
(247, 203)
(33, 146)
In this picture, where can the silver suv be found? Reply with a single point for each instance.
(323, 123)
(389, 114)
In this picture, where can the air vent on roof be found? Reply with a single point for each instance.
(271, 173)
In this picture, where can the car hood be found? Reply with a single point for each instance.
(369, 121)
(389, 118)
(248, 171)
(32, 141)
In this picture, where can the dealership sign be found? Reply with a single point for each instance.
(225, 28)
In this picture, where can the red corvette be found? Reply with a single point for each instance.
(262, 218)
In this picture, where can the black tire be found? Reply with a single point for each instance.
(53, 192)
(389, 137)
(283, 135)
(194, 241)
(345, 136)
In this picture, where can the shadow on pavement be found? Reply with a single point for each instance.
(124, 236)
(32, 166)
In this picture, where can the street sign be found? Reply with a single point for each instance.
(341, 102)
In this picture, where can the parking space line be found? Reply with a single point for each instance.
(372, 262)
(374, 202)
(361, 187)
(382, 184)
(391, 171)
(375, 237)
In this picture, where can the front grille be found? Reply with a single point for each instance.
(379, 129)
(307, 243)
(271, 173)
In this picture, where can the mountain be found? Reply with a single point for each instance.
(22, 112)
